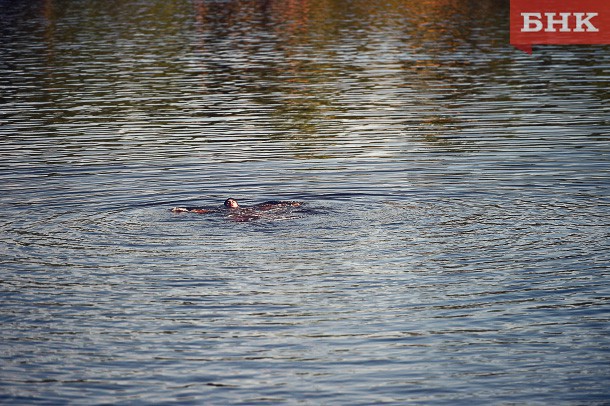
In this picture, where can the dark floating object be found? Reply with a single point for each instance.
(239, 213)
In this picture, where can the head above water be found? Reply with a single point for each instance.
(231, 203)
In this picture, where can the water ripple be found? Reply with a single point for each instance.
(452, 249)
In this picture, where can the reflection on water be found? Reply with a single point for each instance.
(454, 246)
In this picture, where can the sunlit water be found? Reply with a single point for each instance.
(453, 246)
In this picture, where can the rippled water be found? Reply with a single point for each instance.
(454, 243)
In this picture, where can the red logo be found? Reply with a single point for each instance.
(558, 22)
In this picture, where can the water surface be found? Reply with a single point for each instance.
(455, 243)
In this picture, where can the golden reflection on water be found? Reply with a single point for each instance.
(297, 60)
(322, 43)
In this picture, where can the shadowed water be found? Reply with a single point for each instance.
(453, 246)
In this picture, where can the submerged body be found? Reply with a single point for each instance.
(239, 213)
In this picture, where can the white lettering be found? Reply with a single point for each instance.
(528, 21)
(580, 22)
(532, 22)
(551, 21)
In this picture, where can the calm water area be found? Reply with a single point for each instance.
(453, 247)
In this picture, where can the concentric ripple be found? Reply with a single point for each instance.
(453, 245)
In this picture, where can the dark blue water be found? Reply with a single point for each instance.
(453, 246)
